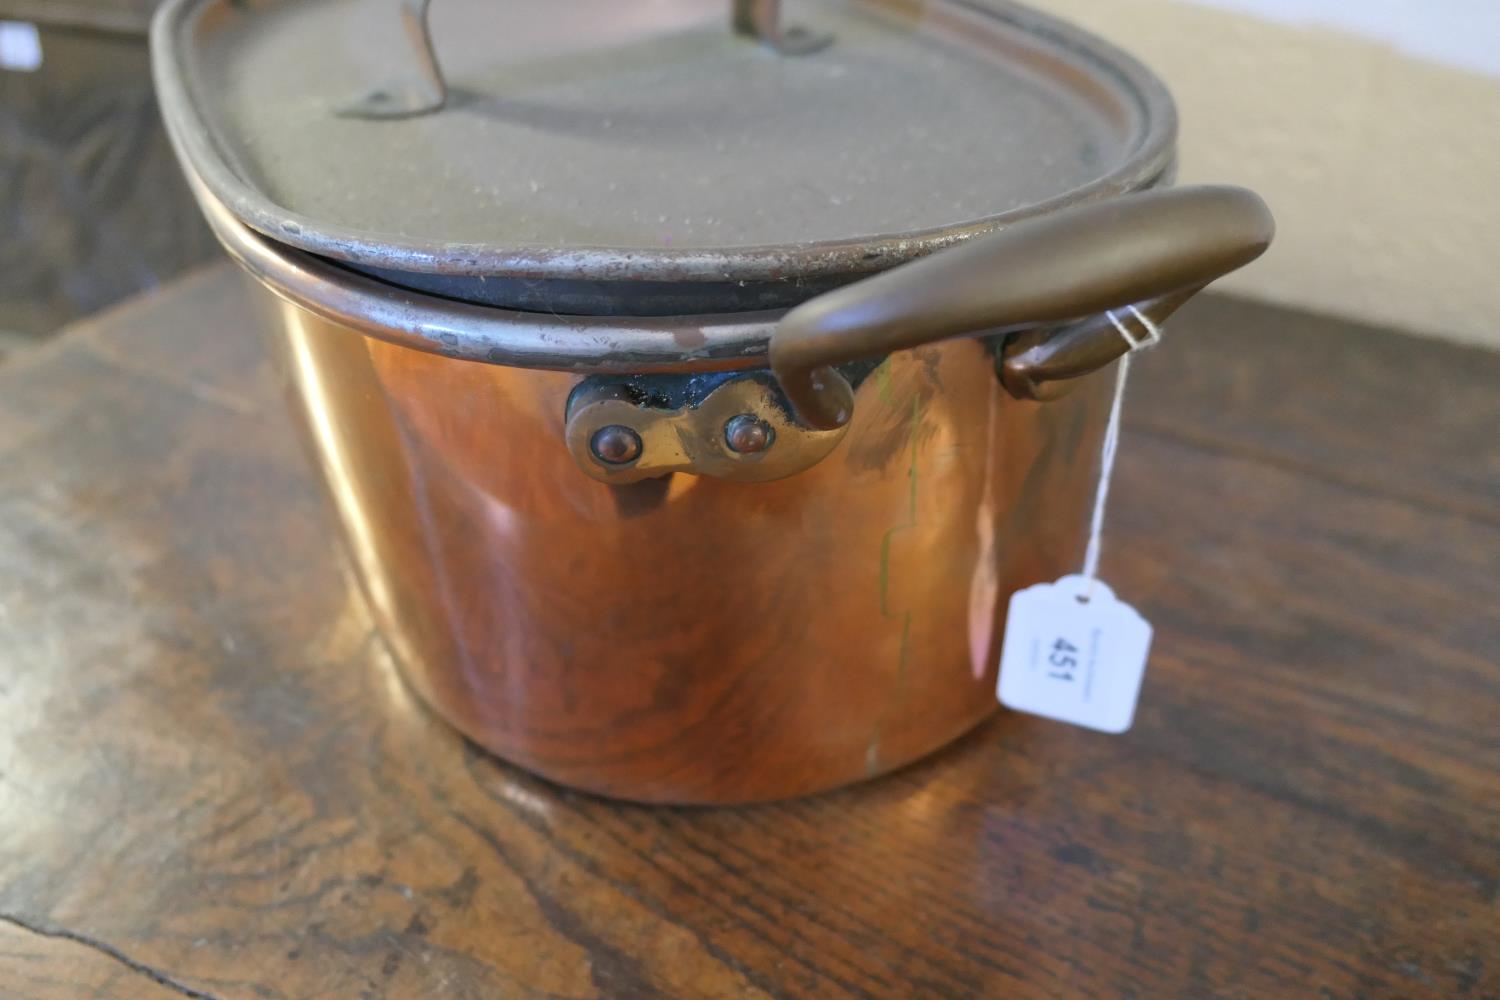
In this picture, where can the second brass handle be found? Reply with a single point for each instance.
(1151, 250)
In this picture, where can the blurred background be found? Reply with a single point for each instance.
(1373, 128)
(93, 204)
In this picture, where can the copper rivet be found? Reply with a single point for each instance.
(616, 445)
(747, 434)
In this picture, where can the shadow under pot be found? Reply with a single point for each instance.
(696, 388)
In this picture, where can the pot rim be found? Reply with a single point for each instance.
(470, 332)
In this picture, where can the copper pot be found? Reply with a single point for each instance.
(676, 554)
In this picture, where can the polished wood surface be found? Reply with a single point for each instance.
(212, 784)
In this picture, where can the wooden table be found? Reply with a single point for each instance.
(213, 785)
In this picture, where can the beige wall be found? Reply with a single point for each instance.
(1383, 168)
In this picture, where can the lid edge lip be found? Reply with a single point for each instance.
(1153, 156)
(465, 331)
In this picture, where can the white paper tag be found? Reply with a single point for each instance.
(20, 46)
(1074, 660)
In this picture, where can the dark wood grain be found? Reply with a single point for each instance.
(213, 784)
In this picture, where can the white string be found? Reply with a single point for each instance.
(1112, 437)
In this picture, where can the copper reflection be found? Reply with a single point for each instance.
(689, 639)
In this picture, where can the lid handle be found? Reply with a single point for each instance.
(761, 20)
(425, 90)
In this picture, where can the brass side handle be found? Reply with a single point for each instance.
(1067, 269)
(424, 89)
(1041, 364)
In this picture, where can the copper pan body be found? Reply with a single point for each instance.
(687, 639)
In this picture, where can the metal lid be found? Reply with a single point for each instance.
(595, 156)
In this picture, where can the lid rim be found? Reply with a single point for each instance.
(1144, 165)
(465, 331)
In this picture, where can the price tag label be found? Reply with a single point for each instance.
(1074, 653)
